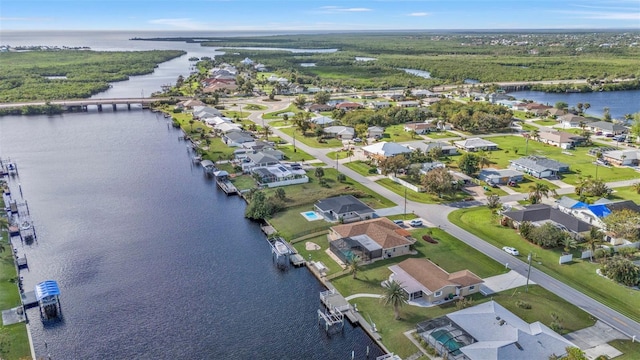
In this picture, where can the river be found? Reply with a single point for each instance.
(153, 261)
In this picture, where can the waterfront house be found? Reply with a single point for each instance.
(488, 331)
(607, 128)
(423, 280)
(539, 166)
(573, 121)
(420, 127)
(375, 132)
(370, 240)
(622, 157)
(383, 149)
(340, 132)
(476, 144)
(190, 104)
(539, 214)
(237, 138)
(201, 112)
(344, 208)
(278, 175)
(561, 139)
(258, 159)
(227, 127)
(500, 176)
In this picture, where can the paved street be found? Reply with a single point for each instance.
(437, 215)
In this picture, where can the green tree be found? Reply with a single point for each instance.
(636, 187)
(561, 105)
(606, 116)
(280, 193)
(354, 265)
(538, 190)
(438, 181)
(624, 224)
(321, 97)
(319, 172)
(300, 101)
(395, 296)
(493, 202)
(568, 243)
(621, 270)
(267, 131)
(469, 163)
(484, 159)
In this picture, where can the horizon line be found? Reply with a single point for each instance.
(341, 30)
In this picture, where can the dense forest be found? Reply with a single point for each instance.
(71, 74)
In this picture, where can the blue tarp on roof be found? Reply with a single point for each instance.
(47, 288)
(600, 210)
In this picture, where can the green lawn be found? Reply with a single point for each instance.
(424, 197)
(255, 107)
(396, 133)
(243, 182)
(579, 274)
(291, 224)
(218, 150)
(581, 164)
(631, 350)
(441, 135)
(370, 277)
(621, 193)
(318, 255)
(312, 141)
(280, 123)
(546, 122)
(298, 155)
(360, 167)
(233, 114)
(340, 154)
(528, 181)
(277, 114)
(528, 127)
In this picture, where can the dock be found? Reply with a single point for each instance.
(29, 299)
(223, 182)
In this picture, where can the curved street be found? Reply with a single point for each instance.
(437, 215)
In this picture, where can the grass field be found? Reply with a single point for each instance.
(312, 141)
(441, 135)
(424, 197)
(360, 167)
(550, 123)
(298, 155)
(396, 133)
(318, 255)
(579, 274)
(277, 114)
(621, 193)
(631, 350)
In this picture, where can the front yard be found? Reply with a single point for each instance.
(422, 197)
(361, 167)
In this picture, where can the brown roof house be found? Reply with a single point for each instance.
(370, 240)
(561, 139)
(423, 280)
(420, 127)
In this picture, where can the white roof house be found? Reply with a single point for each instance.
(340, 132)
(475, 144)
(385, 149)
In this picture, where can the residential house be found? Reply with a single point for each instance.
(340, 132)
(488, 331)
(246, 61)
(189, 104)
(379, 104)
(445, 148)
(201, 112)
(345, 208)
(423, 93)
(349, 106)
(319, 107)
(322, 120)
(375, 132)
(237, 138)
(227, 127)
(500, 176)
(534, 107)
(423, 280)
(219, 84)
(539, 214)
(622, 157)
(561, 139)
(476, 144)
(278, 175)
(607, 128)
(370, 240)
(428, 166)
(573, 121)
(408, 104)
(539, 166)
(394, 96)
(383, 149)
(556, 112)
(420, 127)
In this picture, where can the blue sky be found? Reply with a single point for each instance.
(235, 15)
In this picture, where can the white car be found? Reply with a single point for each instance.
(510, 250)
(415, 222)
(398, 222)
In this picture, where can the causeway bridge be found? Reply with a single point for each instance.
(84, 104)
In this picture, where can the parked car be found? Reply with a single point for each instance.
(510, 250)
(357, 140)
(415, 222)
(398, 222)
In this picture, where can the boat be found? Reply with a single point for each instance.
(281, 248)
(25, 226)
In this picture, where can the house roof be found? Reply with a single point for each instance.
(560, 137)
(375, 128)
(474, 143)
(608, 126)
(419, 126)
(625, 204)
(542, 212)
(339, 130)
(539, 163)
(491, 172)
(618, 154)
(239, 136)
(431, 276)
(348, 105)
(343, 204)
(46, 289)
(574, 119)
(322, 120)
(500, 334)
(569, 203)
(425, 147)
(387, 149)
(262, 158)
(381, 230)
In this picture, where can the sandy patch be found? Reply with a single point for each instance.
(309, 245)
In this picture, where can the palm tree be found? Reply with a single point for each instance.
(267, 131)
(569, 243)
(537, 191)
(483, 159)
(586, 106)
(354, 265)
(394, 295)
(593, 239)
(636, 187)
(349, 153)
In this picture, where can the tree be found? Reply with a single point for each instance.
(319, 172)
(636, 187)
(483, 159)
(537, 191)
(438, 181)
(300, 101)
(586, 106)
(573, 353)
(354, 265)
(468, 163)
(349, 153)
(635, 126)
(621, 270)
(280, 194)
(267, 131)
(493, 202)
(580, 107)
(606, 116)
(395, 296)
(561, 105)
(321, 97)
(592, 240)
(623, 223)
(568, 243)
(547, 235)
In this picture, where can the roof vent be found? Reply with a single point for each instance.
(497, 317)
(502, 322)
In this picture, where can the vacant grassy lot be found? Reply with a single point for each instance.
(318, 255)
(396, 133)
(243, 182)
(298, 155)
(312, 140)
(360, 167)
(546, 122)
(528, 181)
(442, 135)
(424, 198)
(579, 274)
(278, 114)
(514, 147)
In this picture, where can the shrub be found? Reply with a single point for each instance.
(523, 304)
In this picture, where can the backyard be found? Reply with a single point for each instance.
(396, 133)
(581, 274)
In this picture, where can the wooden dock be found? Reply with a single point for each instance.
(227, 187)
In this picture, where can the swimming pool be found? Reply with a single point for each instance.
(444, 337)
(311, 215)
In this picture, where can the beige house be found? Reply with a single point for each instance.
(370, 240)
(422, 279)
(561, 139)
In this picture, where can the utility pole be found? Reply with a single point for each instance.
(528, 272)
(405, 203)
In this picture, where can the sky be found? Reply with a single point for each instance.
(314, 15)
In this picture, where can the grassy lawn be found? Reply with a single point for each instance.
(243, 182)
(370, 277)
(528, 181)
(312, 140)
(579, 274)
(360, 167)
(441, 135)
(298, 155)
(621, 193)
(318, 255)
(340, 154)
(255, 107)
(278, 114)
(233, 114)
(218, 150)
(424, 198)
(546, 122)
(631, 350)
(528, 127)
(513, 147)
(291, 224)
(396, 133)
(280, 123)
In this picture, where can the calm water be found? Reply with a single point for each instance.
(618, 102)
(153, 261)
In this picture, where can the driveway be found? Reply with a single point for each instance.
(593, 340)
(503, 282)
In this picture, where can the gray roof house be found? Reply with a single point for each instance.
(488, 331)
(258, 159)
(322, 120)
(340, 132)
(539, 166)
(476, 144)
(385, 149)
(542, 213)
(622, 157)
(500, 176)
(345, 207)
(607, 127)
(237, 138)
(446, 148)
(375, 131)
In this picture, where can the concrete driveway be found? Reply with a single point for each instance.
(593, 340)
(503, 282)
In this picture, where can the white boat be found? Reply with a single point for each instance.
(281, 248)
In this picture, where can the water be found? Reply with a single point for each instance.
(618, 102)
(152, 259)
(420, 73)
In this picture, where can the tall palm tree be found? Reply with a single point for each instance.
(537, 191)
(395, 296)
(593, 239)
(636, 187)
(354, 265)
(349, 153)
(483, 159)
(267, 131)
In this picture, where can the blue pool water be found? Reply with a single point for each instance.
(311, 215)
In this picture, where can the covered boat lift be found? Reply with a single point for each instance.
(47, 294)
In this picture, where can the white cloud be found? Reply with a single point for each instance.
(181, 23)
(340, 9)
(419, 14)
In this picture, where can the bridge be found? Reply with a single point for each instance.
(83, 104)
